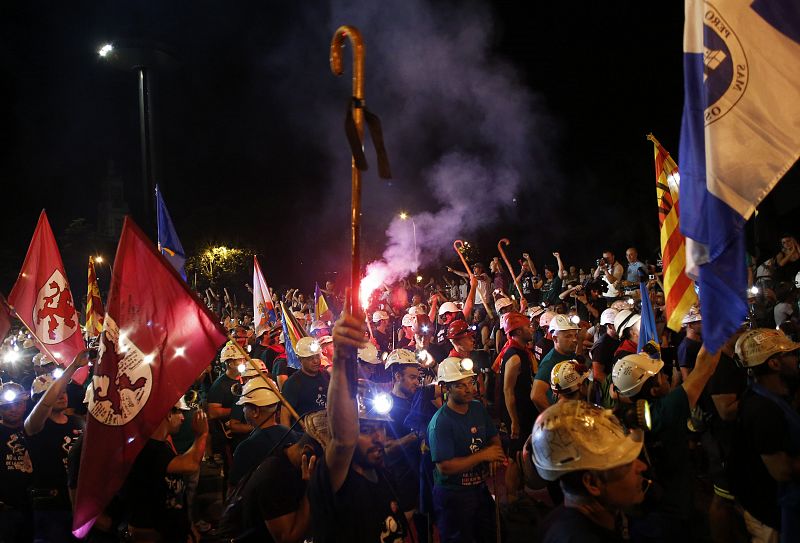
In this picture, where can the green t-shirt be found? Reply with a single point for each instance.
(453, 435)
(546, 367)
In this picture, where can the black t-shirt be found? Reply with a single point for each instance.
(16, 469)
(49, 449)
(360, 512)
(602, 352)
(687, 353)
(542, 347)
(568, 525)
(306, 393)
(157, 499)
(404, 463)
(526, 410)
(761, 429)
(728, 378)
(275, 489)
(384, 340)
(281, 367)
(221, 393)
(261, 443)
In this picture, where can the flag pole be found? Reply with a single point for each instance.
(266, 378)
(337, 45)
(40, 343)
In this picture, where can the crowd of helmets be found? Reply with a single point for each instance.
(611, 415)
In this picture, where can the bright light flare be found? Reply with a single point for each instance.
(467, 364)
(382, 403)
(148, 358)
(105, 50)
(98, 259)
(58, 372)
(369, 284)
(575, 319)
(11, 357)
(403, 215)
(9, 395)
(241, 367)
(419, 279)
(754, 290)
(180, 351)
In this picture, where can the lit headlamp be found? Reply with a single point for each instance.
(638, 416)
(11, 357)
(242, 367)
(58, 372)
(382, 403)
(9, 395)
(466, 364)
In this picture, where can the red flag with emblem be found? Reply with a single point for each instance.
(43, 301)
(157, 338)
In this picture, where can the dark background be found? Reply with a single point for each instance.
(248, 139)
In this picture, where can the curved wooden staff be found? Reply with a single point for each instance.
(337, 67)
(522, 300)
(458, 245)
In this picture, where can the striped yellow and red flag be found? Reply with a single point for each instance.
(679, 292)
(94, 305)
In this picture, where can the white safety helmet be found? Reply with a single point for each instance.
(379, 316)
(544, 320)
(401, 356)
(307, 346)
(566, 376)
(11, 392)
(500, 303)
(250, 371)
(258, 392)
(230, 352)
(42, 383)
(574, 435)
(561, 323)
(448, 307)
(630, 373)
(535, 312)
(419, 309)
(325, 340)
(756, 346)
(608, 316)
(692, 316)
(797, 280)
(625, 319)
(620, 305)
(454, 369)
(41, 359)
(369, 354)
(182, 405)
(408, 320)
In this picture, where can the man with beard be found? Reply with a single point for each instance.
(50, 434)
(766, 444)
(565, 344)
(306, 390)
(351, 494)
(464, 446)
(16, 472)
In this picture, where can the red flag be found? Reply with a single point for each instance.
(42, 299)
(157, 338)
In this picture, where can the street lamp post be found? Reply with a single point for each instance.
(405, 216)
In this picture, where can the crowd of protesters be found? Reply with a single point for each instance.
(484, 407)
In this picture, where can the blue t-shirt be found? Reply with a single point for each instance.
(453, 435)
(632, 274)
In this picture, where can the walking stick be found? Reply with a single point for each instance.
(522, 300)
(458, 245)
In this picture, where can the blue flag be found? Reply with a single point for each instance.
(647, 326)
(290, 336)
(739, 136)
(168, 242)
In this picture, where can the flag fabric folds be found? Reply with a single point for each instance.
(94, 305)
(263, 308)
(292, 331)
(42, 298)
(157, 338)
(321, 309)
(679, 293)
(647, 326)
(740, 133)
(168, 242)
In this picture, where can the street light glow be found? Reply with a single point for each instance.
(403, 215)
(98, 259)
(105, 50)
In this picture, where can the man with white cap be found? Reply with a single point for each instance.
(237, 422)
(602, 357)
(626, 323)
(595, 461)
(16, 471)
(565, 346)
(543, 344)
(220, 403)
(260, 405)
(307, 389)
(381, 332)
(405, 336)
(691, 343)
(765, 463)
(155, 489)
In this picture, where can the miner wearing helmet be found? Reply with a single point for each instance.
(596, 462)
(565, 345)
(381, 332)
(568, 380)
(690, 345)
(464, 444)
(638, 378)
(766, 444)
(220, 402)
(351, 493)
(307, 389)
(16, 471)
(543, 343)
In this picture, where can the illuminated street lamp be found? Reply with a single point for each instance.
(405, 216)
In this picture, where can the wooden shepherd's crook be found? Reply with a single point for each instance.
(337, 46)
(458, 245)
(504, 241)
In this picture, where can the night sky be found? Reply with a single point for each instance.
(529, 118)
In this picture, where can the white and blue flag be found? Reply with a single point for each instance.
(739, 135)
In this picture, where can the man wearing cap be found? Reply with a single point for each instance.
(517, 367)
(565, 345)
(351, 494)
(238, 424)
(16, 471)
(260, 404)
(765, 462)
(307, 389)
(464, 442)
(639, 377)
(595, 461)
(405, 336)
(50, 433)
(543, 342)
(602, 357)
(626, 323)
(381, 332)
(691, 343)
(155, 489)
